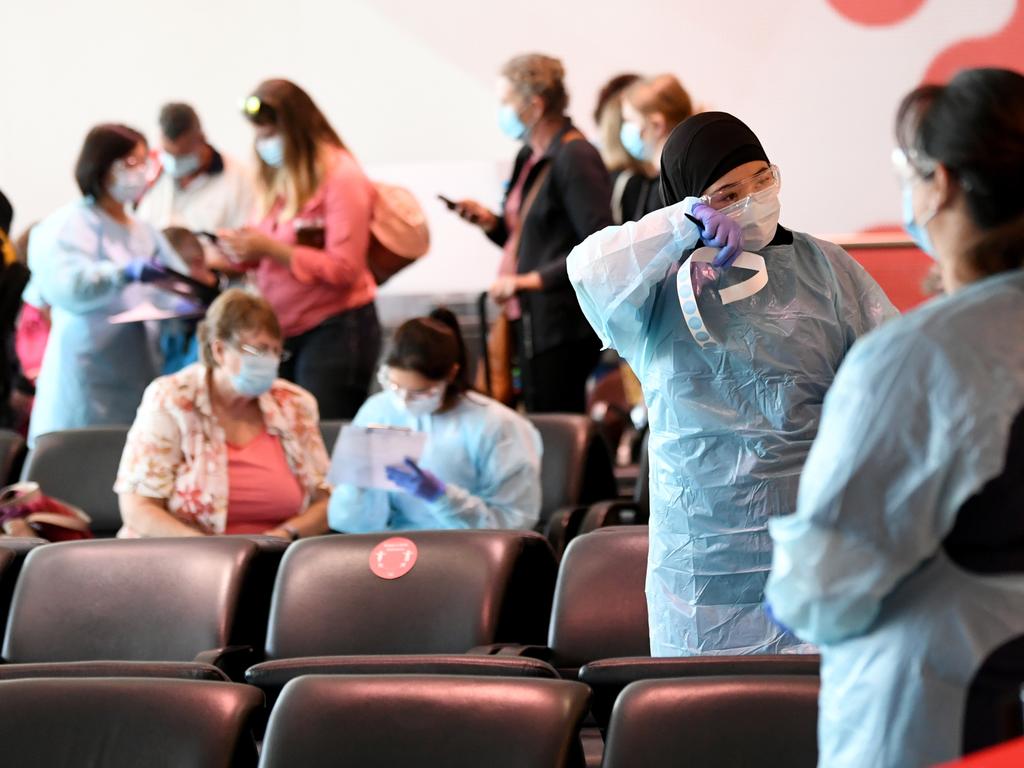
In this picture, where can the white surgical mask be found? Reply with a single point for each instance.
(422, 404)
(181, 166)
(127, 183)
(271, 150)
(758, 215)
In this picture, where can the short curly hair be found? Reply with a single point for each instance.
(534, 74)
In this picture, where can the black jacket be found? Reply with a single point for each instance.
(573, 203)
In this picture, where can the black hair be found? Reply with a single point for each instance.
(6, 213)
(103, 146)
(177, 119)
(974, 127)
(431, 346)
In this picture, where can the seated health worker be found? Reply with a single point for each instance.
(734, 364)
(905, 558)
(225, 446)
(481, 464)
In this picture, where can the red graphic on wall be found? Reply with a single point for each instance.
(1004, 49)
(393, 558)
(876, 13)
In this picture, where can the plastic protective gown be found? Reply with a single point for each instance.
(730, 425)
(904, 559)
(93, 372)
(487, 455)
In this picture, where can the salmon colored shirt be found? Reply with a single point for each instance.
(263, 492)
(177, 451)
(328, 280)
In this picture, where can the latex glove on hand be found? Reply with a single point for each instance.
(718, 231)
(143, 271)
(415, 481)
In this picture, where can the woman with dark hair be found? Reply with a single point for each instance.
(734, 364)
(309, 247)
(86, 259)
(904, 559)
(481, 464)
(558, 194)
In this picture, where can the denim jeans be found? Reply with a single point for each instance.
(336, 361)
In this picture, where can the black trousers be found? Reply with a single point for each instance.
(336, 361)
(555, 380)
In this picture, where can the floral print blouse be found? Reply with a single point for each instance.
(176, 449)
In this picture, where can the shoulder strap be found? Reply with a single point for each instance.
(618, 190)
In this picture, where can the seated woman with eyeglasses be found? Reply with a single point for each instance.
(224, 446)
(481, 464)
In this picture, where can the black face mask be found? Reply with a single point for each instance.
(702, 149)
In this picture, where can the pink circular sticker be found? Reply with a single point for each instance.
(393, 558)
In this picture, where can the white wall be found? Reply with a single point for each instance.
(410, 86)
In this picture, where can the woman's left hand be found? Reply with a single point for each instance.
(507, 286)
(279, 533)
(251, 245)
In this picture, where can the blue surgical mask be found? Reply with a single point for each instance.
(181, 166)
(271, 150)
(918, 231)
(256, 375)
(633, 142)
(510, 123)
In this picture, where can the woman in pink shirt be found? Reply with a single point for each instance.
(308, 249)
(224, 446)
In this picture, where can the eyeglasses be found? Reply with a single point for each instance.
(911, 163)
(133, 162)
(388, 385)
(248, 349)
(764, 179)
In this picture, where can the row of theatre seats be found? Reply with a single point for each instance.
(79, 466)
(486, 651)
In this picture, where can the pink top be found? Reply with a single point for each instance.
(177, 450)
(322, 281)
(263, 492)
(513, 204)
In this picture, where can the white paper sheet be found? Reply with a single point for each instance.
(363, 454)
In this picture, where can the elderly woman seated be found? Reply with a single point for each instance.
(224, 446)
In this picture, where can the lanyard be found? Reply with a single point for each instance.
(688, 301)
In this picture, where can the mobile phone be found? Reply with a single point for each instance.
(208, 235)
(449, 203)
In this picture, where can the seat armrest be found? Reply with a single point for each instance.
(606, 513)
(233, 660)
(540, 652)
(562, 527)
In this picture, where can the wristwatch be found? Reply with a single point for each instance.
(293, 533)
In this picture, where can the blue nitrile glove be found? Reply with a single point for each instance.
(143, 271)
(418, 482)
(719, 231)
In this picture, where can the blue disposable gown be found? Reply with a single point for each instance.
(487, 455)
(903, 560)
(93, 372)
(731, 425)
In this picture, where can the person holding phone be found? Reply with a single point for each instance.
(308, 247)
(559, 194)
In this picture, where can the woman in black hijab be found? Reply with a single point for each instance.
(734, 362)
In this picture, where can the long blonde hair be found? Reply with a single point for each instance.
(308, 138)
